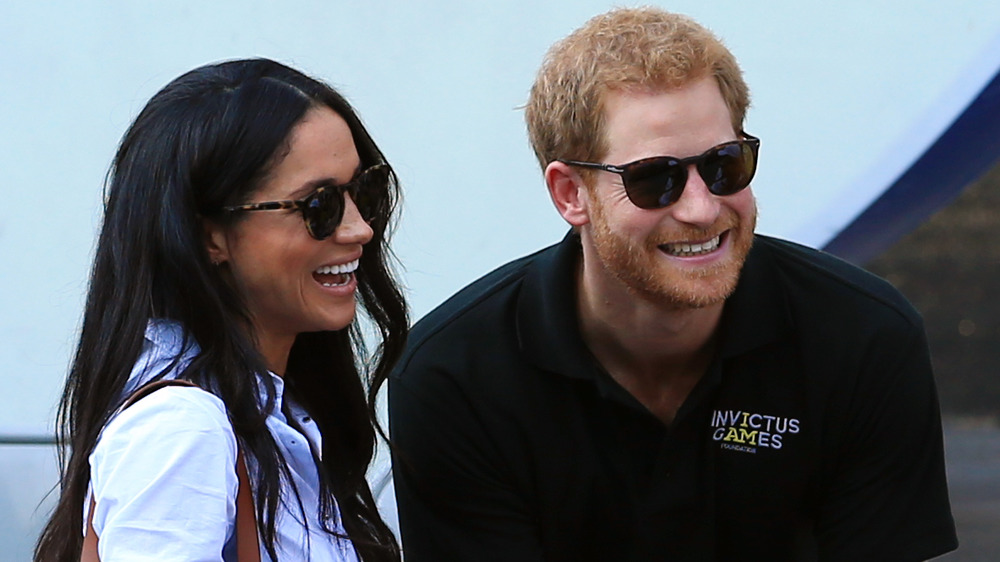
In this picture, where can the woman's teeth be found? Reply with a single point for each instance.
(338, 269)
(335, 275)
(687, 250)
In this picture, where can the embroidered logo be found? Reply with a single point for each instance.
(747, 431)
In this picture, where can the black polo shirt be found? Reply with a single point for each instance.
(815, 434)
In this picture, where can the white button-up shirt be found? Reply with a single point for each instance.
(164, 473)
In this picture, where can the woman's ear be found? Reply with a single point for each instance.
(568, 192)
(214, 235)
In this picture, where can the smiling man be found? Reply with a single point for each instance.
(663, 384)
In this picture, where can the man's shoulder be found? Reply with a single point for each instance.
(484, 306)
(817, 279)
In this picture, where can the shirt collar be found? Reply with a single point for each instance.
(756, 314)
(547, 324)
(166, 340)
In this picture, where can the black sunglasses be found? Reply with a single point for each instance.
(323, 209)
(652, 183)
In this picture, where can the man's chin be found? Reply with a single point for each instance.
(685, 296)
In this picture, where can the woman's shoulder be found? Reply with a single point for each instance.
(172, 409)
(169, 458)
(170, 424)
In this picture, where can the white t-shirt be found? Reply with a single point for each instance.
(164, 473)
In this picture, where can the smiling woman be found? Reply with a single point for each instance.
(284, 271)
(257, 310)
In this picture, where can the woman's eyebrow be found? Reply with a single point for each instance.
(309, 187)
(312, 185)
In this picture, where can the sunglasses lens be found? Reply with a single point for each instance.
(323, 212)
(654, 182)
(729, 168)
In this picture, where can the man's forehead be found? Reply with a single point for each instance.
(646, 122)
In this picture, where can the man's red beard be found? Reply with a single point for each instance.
(645, 269)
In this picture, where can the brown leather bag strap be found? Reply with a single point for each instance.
(247, 543)
(89, 552)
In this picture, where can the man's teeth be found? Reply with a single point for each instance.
(685, 250)
(349, 267)
(342, 271)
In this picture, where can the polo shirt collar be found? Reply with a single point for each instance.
(756, 314)
(548, 327)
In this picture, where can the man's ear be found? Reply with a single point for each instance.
(568, 193)
(216, 244)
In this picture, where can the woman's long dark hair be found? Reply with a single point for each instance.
(205, 141)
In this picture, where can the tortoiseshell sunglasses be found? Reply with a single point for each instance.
(323, 209)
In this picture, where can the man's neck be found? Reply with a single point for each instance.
(657, 352)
